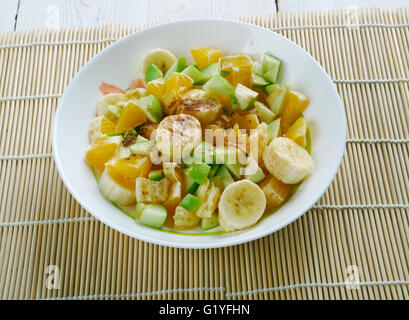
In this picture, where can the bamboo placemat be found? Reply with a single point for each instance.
(360, 225)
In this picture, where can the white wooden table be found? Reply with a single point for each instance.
(27, 14)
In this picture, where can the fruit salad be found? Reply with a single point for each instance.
(214, 144)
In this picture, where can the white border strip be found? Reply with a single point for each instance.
(316, 207)
(107, 40)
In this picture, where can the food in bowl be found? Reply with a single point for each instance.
(216, 143)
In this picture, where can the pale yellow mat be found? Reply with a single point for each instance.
(352, 245)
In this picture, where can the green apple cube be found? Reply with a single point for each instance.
(263, 112)
(209, 72)
(190, 185)
(257, 81)
(209, 223)
(178, 66)
(123, 152)
(257, 68)
(194, 73)
(198, 172)
(205, 152)
(230, 158)
(223, 178)
(156, 175)
(271, 88)
(135, 213)
(271, 67)
(191, 202)
(276, 99)
(213, 170)
(152, 107)
(153, 215)
(219, 85)
(245, 96)
(153, 73)
(273, 129)
(253, 172)
(142, 148)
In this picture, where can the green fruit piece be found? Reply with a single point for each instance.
(190, 202)
(263, 112)
(205, 152)
(190, 185)
(272, 87)
(209, 223)
(209, 72)
(257, 81)
(178, 66)
(245, 96)
(271, 67)
(276, 99)
(213, 170)
(153, 73)
(219, 85)
(194, 73)
(153, 215)
(257, 68)
(253, 172)
(156, 175)
(223, 178)
(198, 172)
(123, 152)
(230, 158)
(135, 213)
(142, 147)
(273, 129)
(152, 107)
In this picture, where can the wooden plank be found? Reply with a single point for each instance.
(61, 13)
(8, 11)
(317, 5)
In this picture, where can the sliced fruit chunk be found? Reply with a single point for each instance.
(157, 88)
(209, 72)
(275, 190)
(220, 86)
(277, 98)
(153, 215)
(101, 150)
(153, 73)
(117, 100)
(184, 219)
(191, 202)
(114, 191)
(194, 73)
(271, 67)
(253, 172)
(100, 126)
(209, 223)
(142, 147)
(298, 131)
(151, 107)
(131, 116)
(263, 112)
(287, 161)
(295, 103)
(272, 87)
(230, 158)
(205, 56)
(156, 175)
(175, 86)
(174, 198)
(190, 185)
(257, 142)
(223, 178)
(178, 66)
(126, 171)
(273, 129)
(210, 195)
(239, 210)
(162, 58)
(245, 96)
(213, 170)
(239, 68)
(177, 136)
(257, 68)
(150, 191)
(135, 213)
(205, 152)
(245, 121)
(198, 172)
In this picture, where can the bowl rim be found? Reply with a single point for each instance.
(226, 242)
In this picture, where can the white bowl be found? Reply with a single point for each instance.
(119, 63)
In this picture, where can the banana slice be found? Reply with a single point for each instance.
(162, 58)
(199, 104)
(287, 161)
(177, 135)
(241, 205)
(108, 103)
(115, 192)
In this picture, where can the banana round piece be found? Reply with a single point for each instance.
(177, 135)
(287, 161)
(113, 99)
(162, 58)
(115, 192)
(197, 103)
(241, 205)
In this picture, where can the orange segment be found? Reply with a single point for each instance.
(174, 87)
(107, 125)
(205, 56)
(101, 151)
(99, 126)
(157, 88)
(244, 121)
(295, 103)
(298, 132)
(131, 117)
(125, 171)
(239, 68)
